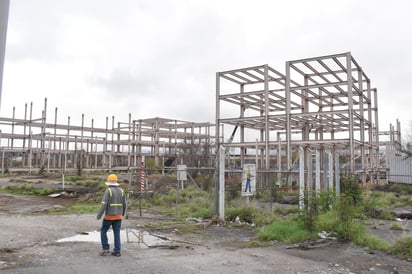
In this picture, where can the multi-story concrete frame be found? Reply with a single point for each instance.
(321, 106)
(30, 143)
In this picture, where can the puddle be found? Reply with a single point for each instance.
(143, 238)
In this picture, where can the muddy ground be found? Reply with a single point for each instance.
(29, 243)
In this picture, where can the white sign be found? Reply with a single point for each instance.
(181, 173)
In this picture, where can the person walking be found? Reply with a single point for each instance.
(114, 207)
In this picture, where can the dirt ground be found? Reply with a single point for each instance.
(29, 243)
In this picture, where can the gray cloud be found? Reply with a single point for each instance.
(159, 58)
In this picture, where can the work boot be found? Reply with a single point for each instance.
(116, 254)
(104, 253)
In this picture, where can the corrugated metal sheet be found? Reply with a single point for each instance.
(400, 170)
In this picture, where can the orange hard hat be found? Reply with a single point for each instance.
(112, 178)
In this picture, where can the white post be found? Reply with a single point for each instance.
(222, 183)
(301, 178)
(337, 175)
(317, 180)
(63, 181)
(2, 162)
(330, 188)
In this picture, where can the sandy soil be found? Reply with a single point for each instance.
(29, 244)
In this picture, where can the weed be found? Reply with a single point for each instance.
(350, 186)
(378, 204)
(345, 214)
(175, 226)
(402, 248)
(74, 178)
(359, 235)
(27, 189)
(42, 171)
(396, 226)
(326, 222)
(83, 208)
(287, 231)
(255, 243)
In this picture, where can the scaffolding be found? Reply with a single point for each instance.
(31, 144)
(307, 124)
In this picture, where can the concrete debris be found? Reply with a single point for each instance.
(326, 235)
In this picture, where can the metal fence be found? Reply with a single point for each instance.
(400, 169)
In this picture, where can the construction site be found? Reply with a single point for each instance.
(301, 128)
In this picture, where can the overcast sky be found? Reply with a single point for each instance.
(159, 58)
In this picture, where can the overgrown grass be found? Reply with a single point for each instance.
(250, 214)
(74, 178)
(378, 204)
(192, 202)
(401, 189)
(173, 226)
(287, 231)
(18, 180)
(397, 226)
(84, 208)
(360, 236)
(402, 248)
(197, 208)
(27, 189)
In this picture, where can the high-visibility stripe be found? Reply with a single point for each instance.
(121, 190)
(116, 204)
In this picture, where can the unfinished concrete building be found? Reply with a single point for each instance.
(31, 144)
(302, 126)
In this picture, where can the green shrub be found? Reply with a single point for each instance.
(287, 231)
(396, 226)
(326, 222)
(41, 170)
(378, 204)
(345, 214)
(44, 191)
(402, 248)
(27, 189)
(196, 208)
(349, 185)
(74, 178)
(84, 208)
(245, 213)
(326, 200)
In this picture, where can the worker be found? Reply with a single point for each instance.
(114, 207)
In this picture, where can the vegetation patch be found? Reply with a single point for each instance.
(174, 226)
(250, 214)
(83, 208)
(402, 248)
(27, 189)
(287, 231)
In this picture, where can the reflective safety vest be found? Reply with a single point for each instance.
(113, 203)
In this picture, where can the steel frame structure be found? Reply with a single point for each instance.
(321, 104)
(117, 146)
